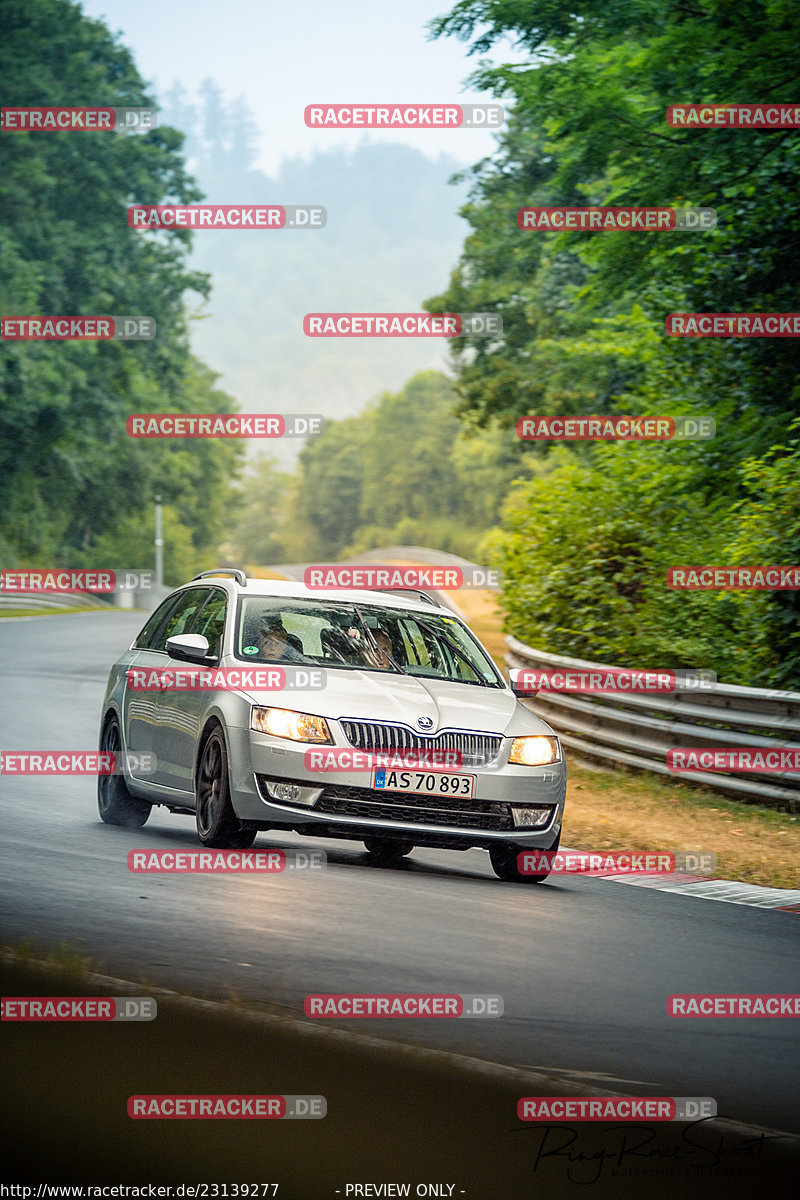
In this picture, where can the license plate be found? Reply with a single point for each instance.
(426, 783)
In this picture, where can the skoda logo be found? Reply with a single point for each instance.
(425, 722)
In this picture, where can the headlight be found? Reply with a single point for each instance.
(296, 726)
(535, 751)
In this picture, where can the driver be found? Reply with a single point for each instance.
(389, 652)
(383, 655)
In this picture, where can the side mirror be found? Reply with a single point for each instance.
(188, 647)
(523, 682)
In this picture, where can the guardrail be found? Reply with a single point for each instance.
(50, 600)
(638, 730)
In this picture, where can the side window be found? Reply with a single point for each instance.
(210, 622)
(181, 617)
(145, 637)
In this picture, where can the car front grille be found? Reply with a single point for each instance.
(477, 749)
(455, 812)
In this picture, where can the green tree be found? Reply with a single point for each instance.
(69, 474)
(257, 536)
(584, 313)
(405, 472)
(766, 530)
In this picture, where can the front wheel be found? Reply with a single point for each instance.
(504, 863)
(217, 823)
(386, 851)
(115, 803)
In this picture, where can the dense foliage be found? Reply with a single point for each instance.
(74, 489)
(405, 472)
(587, 541)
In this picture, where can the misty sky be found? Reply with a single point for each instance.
(282, 56)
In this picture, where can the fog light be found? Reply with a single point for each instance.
(288, 792)
(531, 817)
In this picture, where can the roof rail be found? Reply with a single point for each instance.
(238, 575)
(425, 596)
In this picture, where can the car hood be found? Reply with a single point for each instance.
(380, 697)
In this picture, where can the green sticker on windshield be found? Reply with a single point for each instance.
(250, 650)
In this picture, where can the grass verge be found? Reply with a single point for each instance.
(45, 612)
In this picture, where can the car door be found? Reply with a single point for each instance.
(138, 708)
(157, 709)
(181, 712)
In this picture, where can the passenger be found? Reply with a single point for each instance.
(275, 644)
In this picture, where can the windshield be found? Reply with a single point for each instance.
(361, 637)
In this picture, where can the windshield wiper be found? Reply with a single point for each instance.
(373, 643)
(457, 650)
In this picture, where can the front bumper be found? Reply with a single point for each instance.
(344, 804)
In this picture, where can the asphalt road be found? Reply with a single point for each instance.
(584, 966)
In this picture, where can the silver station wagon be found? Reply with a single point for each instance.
(366, 715)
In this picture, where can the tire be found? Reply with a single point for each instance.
(385, 851)
(217, 824)
(504, 863)
(115, 803)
